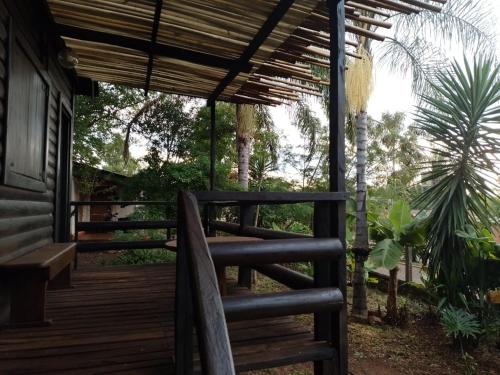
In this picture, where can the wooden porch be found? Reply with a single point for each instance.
(121, 320)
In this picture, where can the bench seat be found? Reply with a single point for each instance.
(28, 277)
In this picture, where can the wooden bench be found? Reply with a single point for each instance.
(29, 276)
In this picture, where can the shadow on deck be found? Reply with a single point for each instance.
(121, 320)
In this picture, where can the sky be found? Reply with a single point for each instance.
(391, 93)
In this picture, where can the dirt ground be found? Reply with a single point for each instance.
(420, 348)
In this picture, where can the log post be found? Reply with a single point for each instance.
(245, 274)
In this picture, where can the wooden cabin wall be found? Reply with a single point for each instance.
(27, 216)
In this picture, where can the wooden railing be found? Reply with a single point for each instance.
(197, 290)
(111, 226)
(198, 296)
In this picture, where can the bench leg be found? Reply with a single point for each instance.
(62, 280)
(27, 298)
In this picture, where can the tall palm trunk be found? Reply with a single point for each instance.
(360, 246)
(245, 129)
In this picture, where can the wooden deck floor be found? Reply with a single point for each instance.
(120, 320)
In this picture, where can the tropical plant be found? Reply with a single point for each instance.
(459, 323)
(482, 277)
(416, 47)
(266, 149)
(314, 149)
(393, 234)
(460, 120)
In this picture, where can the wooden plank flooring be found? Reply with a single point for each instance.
(120, 320)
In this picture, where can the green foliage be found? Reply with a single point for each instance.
(459, 323)
(144, 256)
(100, 120)
(112, 157)
(310, 162)
(393, 233)
(165, 124)
(266, 148)
(394, 157)
(421, 41)
(461, 122)
(386, 253)
(482, 262)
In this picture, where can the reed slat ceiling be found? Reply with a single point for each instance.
(218, 31)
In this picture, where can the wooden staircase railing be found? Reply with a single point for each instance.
(198, 297)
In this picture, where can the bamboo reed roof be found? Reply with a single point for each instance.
(188, 47)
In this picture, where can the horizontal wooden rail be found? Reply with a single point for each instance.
(251, 231)
(286, 276)
(91, 246)
(124, 225)
(276, 251)
(282, 304)
(269, 197)
(119, 203)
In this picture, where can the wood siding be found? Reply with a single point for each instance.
(27, 216)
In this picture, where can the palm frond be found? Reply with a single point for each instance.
(459, 120)
(470, 23)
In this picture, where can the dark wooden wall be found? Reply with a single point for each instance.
(27, 216)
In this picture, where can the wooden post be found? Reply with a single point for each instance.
(210, 209)
(246, 219)
(337, 324)
(183, 305)
(77, 212)
(212, 146)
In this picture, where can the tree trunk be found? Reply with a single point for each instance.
(243, 159)
(361, 245)
(392, 297)
(245, 129)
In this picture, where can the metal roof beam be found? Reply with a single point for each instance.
(154, 35)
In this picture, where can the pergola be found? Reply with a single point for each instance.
(248, 52)
(256, 52)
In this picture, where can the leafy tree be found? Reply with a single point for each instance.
(165, 124)
(461, 121)
(112, 157)
(98, 120)
(394, 157)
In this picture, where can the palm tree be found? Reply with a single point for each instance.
(245, 130)
(416, 48)
(462, 120)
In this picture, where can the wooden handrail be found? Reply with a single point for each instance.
(269, 197)
(252, 231)
(119, 203)
(195, 260)
(197, 284)
(124, 225)
(277, 251)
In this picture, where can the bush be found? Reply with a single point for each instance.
(145, 256)
(460, 324)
